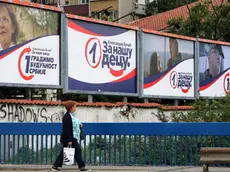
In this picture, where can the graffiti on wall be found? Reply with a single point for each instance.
(29, 113)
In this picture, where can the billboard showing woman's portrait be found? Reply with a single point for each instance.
(29, 45)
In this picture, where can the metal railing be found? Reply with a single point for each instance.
(174, 144)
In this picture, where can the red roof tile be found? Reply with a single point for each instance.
(36, 102)
(160, 21)
(36, 5)
(98, 104)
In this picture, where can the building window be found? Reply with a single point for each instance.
(84, 1)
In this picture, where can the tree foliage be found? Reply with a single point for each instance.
(159, 6)
(205, 21)
(204, 110)
(8, 92)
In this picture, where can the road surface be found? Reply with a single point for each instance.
(45, 168)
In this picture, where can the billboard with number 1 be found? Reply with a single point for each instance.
(29, 46)
(214, 70)
(101, 58)
(168, 66)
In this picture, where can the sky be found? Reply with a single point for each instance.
(155, 42)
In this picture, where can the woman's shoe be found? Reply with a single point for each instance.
(56, 169)
(85, 169)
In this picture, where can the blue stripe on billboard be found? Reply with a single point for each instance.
(103, 30)
(7, 51)
(106, 87)
(159, 76)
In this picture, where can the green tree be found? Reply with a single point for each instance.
(159, 6)
(206, 111)
(10, 92)
(205, 21)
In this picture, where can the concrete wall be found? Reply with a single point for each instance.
(54, 113)
(10, 112)
(30, 113)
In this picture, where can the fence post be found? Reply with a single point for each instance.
(175, 102)
(146, 100)
(90, 98)
(28, 93)
(125, 99)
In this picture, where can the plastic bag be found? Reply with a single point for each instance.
(68, 155)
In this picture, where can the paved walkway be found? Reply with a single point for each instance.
(45, 168)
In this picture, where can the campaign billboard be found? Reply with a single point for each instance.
(101, 58)
(168, 66)
(214, 66)
(29, 46)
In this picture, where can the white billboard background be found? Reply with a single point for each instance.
(77, 65)
(43, 66)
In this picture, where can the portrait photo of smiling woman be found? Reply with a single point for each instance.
(20, 24)
(8, 26)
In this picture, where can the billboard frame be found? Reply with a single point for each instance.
(196, 69)
(65, 60)
(141, 64)
(32, 5)
(64, 52)
(153, 32)
(42, 7)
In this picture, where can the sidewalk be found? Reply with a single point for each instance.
(43, 168)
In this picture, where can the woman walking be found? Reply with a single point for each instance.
(70, 137)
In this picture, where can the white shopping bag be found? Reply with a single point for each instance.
(68, 156)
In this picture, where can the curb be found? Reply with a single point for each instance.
(13, 167)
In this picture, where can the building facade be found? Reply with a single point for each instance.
(121, 11)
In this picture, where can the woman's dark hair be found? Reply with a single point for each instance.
(173, 41)
(153, 64)
(13, 21)
(217, 47)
